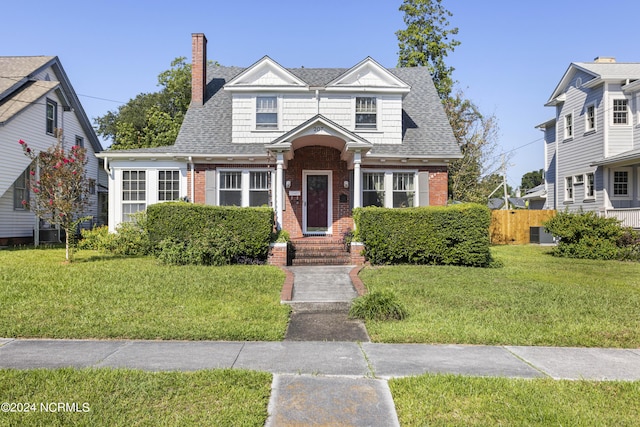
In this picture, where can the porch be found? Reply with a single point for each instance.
(629, 217)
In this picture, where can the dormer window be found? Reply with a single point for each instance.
(266, 112)
(366, 113)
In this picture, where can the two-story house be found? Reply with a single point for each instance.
(38, 104)
(311, 143)
(592, 145)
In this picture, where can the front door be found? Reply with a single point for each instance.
(317, 202)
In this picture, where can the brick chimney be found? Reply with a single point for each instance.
(604, 60)
(198, 69)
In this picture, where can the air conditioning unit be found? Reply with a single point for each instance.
(540, 235)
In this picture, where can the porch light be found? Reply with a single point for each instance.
(288, 184)
(346, 184)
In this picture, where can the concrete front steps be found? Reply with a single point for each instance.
(319, 251)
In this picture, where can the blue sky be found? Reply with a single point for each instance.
(512, 54)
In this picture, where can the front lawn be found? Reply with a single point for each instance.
(446, 400)
(136, 298)
(120, 397)
(535, 299)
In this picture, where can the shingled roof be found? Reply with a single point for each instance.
(207, 130)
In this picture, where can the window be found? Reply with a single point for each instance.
(403, 190)
(620, 183)
(79, 141)
(134, 193)
(578, 179)
(590, 188)
(231, 188)
(52, 117)
(568, 126)
(259, 188)
(366, 113)
(569, 188)
(245, 188)
(620, 112)
(21, 191)
(373, 189)
(168, 185)
(266, 112)
(590, 118)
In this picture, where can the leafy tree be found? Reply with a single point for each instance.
(477, 138)
(61, 188)
(151, 119)
(425, 42)
(531, 180)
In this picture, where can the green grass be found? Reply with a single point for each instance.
(135, 398)
(136, 298)
(535, 299)
(448, 400)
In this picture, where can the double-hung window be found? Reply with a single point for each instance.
(168, 185)
(134, 193)
(403, 190)
(51, 117)
(373, 189)
(568, 188)
(267, 112)
(21, 191)
(259, 188)
(231, 188)
(590, 118)
(620, 112)
(590, 187)
(568, 126)
(366, 113)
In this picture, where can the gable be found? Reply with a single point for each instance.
(265, 74)
(370, 75)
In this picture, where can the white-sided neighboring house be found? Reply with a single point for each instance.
(38, 104)
(592, 145)
(312, 143)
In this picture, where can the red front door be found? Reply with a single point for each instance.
(317, 203)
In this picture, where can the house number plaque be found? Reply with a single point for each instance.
(317, 129)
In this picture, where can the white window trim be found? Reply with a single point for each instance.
(254, 104)
(578, 179)
(595, 118)
(244, 184)
(613, 113)
(629, 194)
(388, 184)
(123, 202)
(567, 134)
(566, 189)
(586, 186)
(157, 181)
(378, 128)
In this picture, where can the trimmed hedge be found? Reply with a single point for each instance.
(446, 235)
(249, 228)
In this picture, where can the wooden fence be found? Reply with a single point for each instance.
(512, 227)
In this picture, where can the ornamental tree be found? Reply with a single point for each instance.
(60, 188)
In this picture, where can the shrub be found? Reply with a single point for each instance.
(249, 229)
(590, 236)
(210, 247)
(131, 238)
(378, 305)
(451, 235)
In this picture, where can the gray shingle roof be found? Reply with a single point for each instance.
(426, 129)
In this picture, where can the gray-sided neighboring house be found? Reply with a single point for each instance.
(38, 105)
(312, 143)
(592, 145)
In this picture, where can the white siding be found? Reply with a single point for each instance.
(295, 109)
(29, 125)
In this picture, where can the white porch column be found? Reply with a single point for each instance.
(357, 180)
(279, 189)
